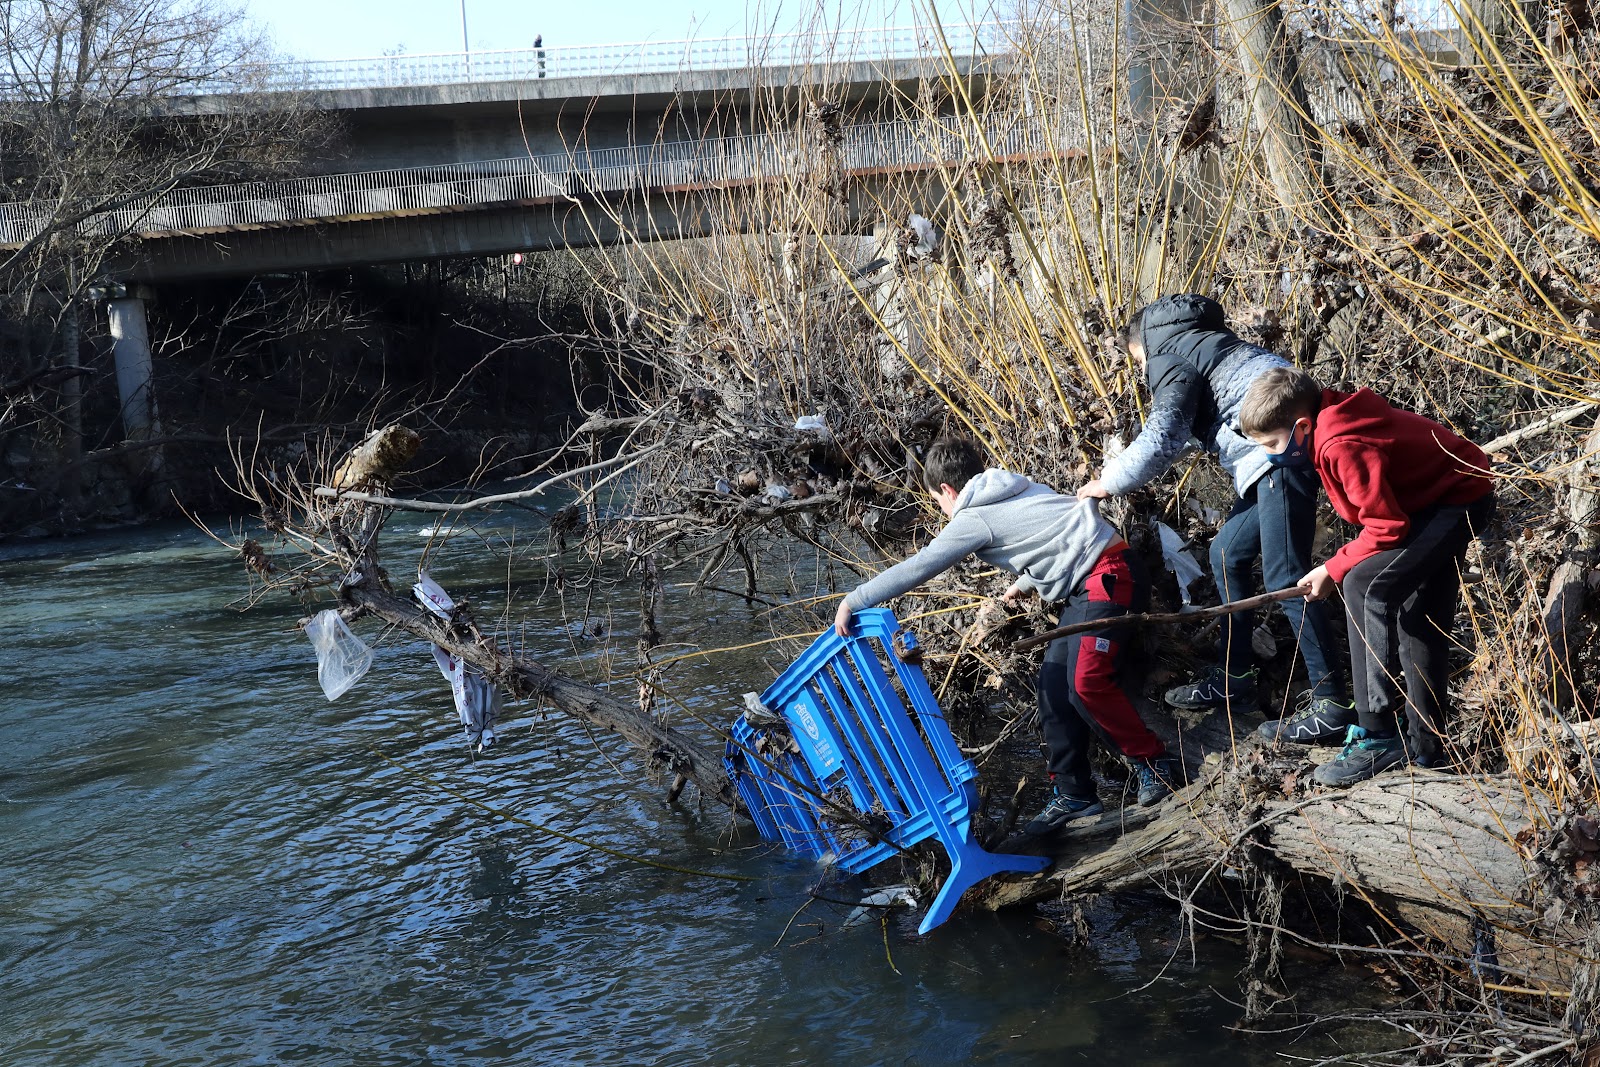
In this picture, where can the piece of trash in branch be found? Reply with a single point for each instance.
(1263, 643)
(809, 760)
(817, 424)
(1209, 516)
(342, 657)
(478, 701)
(879, 901)
(776, 493)
(927, 237)
(1179, 562)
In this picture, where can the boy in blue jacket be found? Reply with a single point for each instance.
(1063, 550)
(1198, 371)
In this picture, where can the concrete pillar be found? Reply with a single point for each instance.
(135, 369)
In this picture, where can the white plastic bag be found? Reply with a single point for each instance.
(1179, 562)
(342, 657)
(478, 703)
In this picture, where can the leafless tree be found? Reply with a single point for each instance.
(107, 105)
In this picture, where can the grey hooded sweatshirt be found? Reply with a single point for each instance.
(1023, 527)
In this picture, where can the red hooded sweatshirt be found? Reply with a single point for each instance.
(1381, 466)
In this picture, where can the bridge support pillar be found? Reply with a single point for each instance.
(130, 339)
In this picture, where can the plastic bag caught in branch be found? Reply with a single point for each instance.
(1179, 562)
(342, 657)
(478, 702)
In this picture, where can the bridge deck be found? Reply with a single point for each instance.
(669, 167)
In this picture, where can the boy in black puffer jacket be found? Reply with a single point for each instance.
(1198, 371)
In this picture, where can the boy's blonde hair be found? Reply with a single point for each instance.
(1276, 399)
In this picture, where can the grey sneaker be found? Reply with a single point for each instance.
(1061, 810)
(1215, 689)
(1157, 778)
(1315, 719)
(1361, 758)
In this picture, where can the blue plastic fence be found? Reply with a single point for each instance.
(857, 762)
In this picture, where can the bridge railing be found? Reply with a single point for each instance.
(872, 44)
(672, 164)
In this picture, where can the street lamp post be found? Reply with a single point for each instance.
(466, 49)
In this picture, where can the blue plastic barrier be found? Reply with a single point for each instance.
(862, 764)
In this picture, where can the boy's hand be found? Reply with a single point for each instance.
(1319, 584)
(841, 620)
(1094, 490)
(1015, 593)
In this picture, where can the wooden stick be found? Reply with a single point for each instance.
(1533, 429)
(1249, 602)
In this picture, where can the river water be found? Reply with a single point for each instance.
(203, 861)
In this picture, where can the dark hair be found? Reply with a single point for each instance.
(952, 461)
(1133, 330)
(1277, 398)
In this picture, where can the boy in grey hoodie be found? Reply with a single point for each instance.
(1061, 549)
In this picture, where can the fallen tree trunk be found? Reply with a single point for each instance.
(1434, 851)
(667, 750)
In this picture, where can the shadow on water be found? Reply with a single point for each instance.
(205, 862)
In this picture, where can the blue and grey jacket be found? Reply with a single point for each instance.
(1198, 371)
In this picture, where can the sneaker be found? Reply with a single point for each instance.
(1157, 777)
(1315, 719)
(1061, 810)
(1361, 758)
(1215, 689)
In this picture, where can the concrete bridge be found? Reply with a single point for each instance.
(610, 143)
(488, 153)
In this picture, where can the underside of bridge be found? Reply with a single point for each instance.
(533, 226)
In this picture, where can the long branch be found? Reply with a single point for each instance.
(1247, 604)
(404, 504)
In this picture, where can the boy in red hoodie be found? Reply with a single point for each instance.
(1419, 493)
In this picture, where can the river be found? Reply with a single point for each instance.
(205, 862)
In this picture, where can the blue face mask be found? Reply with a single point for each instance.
(1294, 454)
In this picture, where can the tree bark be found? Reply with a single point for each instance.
(1565, 614)
(1277, 102)
(1432, 850)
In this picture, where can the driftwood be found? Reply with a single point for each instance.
(524, 678)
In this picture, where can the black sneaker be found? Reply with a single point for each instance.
(1215, 689)
(1361, 758)
(1061, 810)
(1315, 719)
(1157, 779)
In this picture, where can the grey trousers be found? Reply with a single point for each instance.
(1401, 607)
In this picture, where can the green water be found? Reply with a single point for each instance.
(203, 861)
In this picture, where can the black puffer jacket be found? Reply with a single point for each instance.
(1198, 371)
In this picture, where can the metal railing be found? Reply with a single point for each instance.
(665, 165)
(874, 44)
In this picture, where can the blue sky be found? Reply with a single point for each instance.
(345, 29)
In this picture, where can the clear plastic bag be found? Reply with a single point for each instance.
(342, 657)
